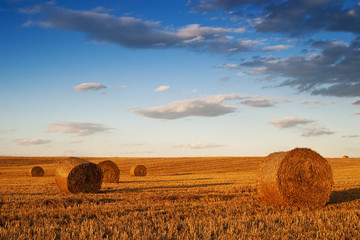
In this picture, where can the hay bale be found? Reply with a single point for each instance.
(138, 170)
(300, 177)
(110, 171)
(37, 172)
(75, 175)
(345, 156)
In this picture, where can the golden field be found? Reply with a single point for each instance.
(180, 198)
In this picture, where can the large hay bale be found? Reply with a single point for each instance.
(110, 171)
(300, 177)
(37, 172)
(345, 156)
(138, 170)
(75, 175)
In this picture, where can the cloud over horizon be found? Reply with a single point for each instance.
(78, 129)
(289, 122)
(210, 106)
(198, 145)
(33, 141)
(316, 131)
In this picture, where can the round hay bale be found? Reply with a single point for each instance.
(110, 171)
(76, 175)
(300, 177)
(345, 156)
(37, 172)
(138, 170)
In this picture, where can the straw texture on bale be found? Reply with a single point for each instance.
(37, 172)
(110, 171)
(75, 175)
(138, 170)
(300, 177)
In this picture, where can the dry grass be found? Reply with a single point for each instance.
(180, 198)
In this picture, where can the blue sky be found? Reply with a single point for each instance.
(179, 78)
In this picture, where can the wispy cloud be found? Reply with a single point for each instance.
(33, 141)
(135, 144)
(210, 106)
(134, 32)
(89, 86)
(357, 113)
(262, 102)
(277, 47)
(290, 17)
(351, 136)
(316, 131)
(289, 122)
(78, 128)
(198, 145)
(356, 102)
(162, 88)
(230, 66)
(310, 102)
(307, 127)
(333, 71)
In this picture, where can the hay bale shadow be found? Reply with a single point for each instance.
(344, 196)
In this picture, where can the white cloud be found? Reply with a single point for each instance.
(228, 66)
(258, 71)
(210, 106)
(198, 145)
(89, 86)
(276, 48)
(34, 141)
(124, 86)
(78, 128)
(195, 31)
(162, 88)
(289, 122)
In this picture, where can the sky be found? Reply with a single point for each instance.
(179, 78)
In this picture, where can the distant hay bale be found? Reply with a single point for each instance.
(300, 177)
(37, 172)
(75, 175)
(138, 170)
(345, 156)
(110, 171)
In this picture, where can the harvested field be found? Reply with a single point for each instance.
(180, 198)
